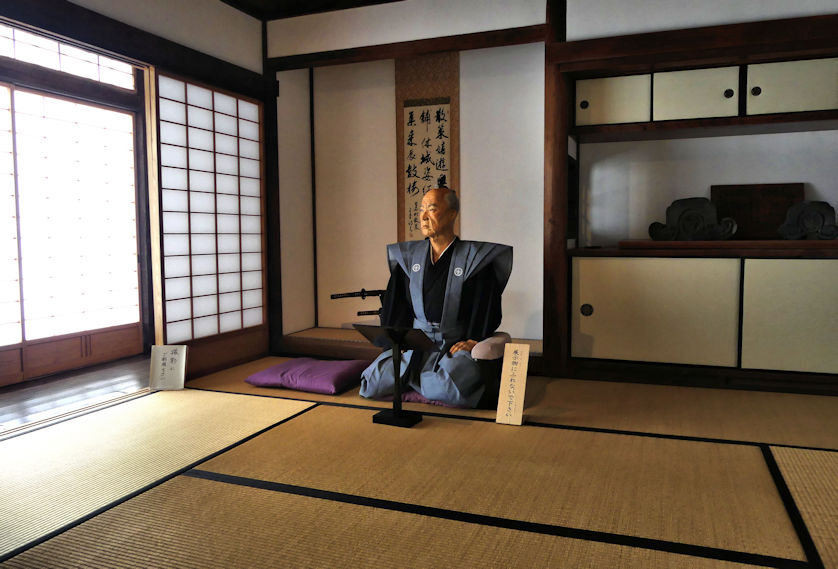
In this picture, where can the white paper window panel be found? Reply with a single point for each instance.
(171, 133)
(178, 310)
(226, 143)
(176, 266)
(230, 321)
(173, 178)
(175, 222)
(205, 305)
(228, 204)
(175, 200)
(205, 284)
(225, 103)
(206, 326)
(251, 206)
(248, 148)
(250, 187)
(172, 156)
(248, 129)
(251, 243)
(202, 223)
(177, 288)
(251, 224)
(170, 88)
(201, 118)
(203, 244)
(10, 312)
(202, 202)
(199, 96)
(229, 301)
(248, 110)
(229, 282)
(228, 243)
(226, 164)
(177, 332)
(225, 184)
(201, 181)
(11, 333)
(251, 261)
(175, 245)
(200, 160)
(200, 138)
(226, 124)
(203, 264)
(228, 263)
(252, 298)
(249, 168)
(252, 317)
(172, 112)
(251, 279)
(228, 223)
(9, 287)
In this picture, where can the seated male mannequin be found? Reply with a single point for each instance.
(450, 289)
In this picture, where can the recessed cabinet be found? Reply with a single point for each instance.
(790, 315)
(792, 86)
(656, 310)
(613, 100)
(696, 93)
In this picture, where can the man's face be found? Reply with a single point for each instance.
(435, 217)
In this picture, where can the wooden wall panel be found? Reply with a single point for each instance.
(11, 367)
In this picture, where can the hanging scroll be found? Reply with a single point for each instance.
(427, 144)
(427, 133)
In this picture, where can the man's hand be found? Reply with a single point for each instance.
(466, 345)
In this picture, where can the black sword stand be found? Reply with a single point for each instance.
(398, 339)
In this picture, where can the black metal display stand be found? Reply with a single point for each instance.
(398, 339)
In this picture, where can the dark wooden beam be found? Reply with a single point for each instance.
(792, 38)
(556, 301)
(511, 36)
(72, 21)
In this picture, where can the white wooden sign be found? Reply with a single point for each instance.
(513, 384)
(168, 367)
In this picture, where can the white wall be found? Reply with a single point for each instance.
(502, 169)
(602, 18)
(625, 186)
(295, 207)
(355, 184)
(209, 26)
(398, 21)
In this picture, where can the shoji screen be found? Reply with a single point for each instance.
(10, 318)
(211, 201)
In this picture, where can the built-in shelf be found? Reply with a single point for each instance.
(768, 249)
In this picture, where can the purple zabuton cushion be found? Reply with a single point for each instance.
(314, 376)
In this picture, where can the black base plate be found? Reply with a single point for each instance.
(401, 419)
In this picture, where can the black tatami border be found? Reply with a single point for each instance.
(506, 523)
(146, 488)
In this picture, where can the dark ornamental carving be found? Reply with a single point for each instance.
(692, 219)
(809, 220)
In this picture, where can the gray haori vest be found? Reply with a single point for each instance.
(467, 258)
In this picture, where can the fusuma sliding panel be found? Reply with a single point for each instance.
(789, 315)
(211, 198)
(696, 93)
(656, 310)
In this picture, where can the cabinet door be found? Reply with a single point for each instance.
(790, 315)
(792, 86)
(696, 93)
(656, 310)
(613, 100)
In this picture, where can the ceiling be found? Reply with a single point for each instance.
(277, 9)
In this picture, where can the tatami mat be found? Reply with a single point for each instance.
(812, 478)
(773, 418)
(187, 522)
(698, 493)
(58, 474)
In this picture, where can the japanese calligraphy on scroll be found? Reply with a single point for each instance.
(168, 367)
(513, 384)
(427, 160)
